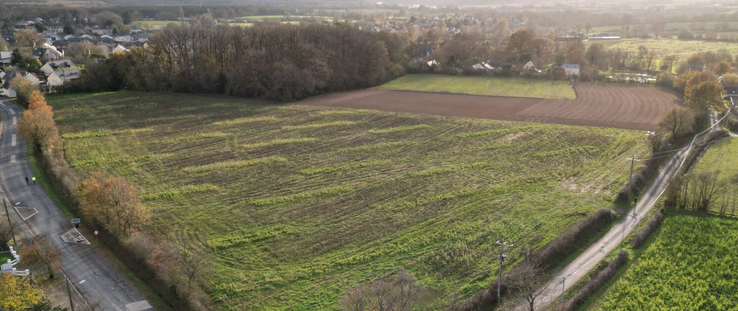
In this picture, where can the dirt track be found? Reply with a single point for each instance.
(608, 105)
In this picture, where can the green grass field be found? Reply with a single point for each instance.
(483, 85)
(692, 265)
(299, 203)
(679, 48)
(673, 26)
(721, 156)
(161, 24)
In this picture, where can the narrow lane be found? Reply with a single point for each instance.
(94, 277)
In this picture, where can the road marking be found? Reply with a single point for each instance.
(15, 120)
(12, 158)
(12, 111)
(80, 282)
(2, 104)
(138, 306)
(12, 141)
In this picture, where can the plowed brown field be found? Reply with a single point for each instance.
(619, 106)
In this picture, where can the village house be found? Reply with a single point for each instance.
(571, 69)
(5, 57)
(62, 76)
(8, 78)
(55, 65)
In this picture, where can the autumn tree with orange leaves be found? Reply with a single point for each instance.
(113, 203)
(38, 124)
(41, 253)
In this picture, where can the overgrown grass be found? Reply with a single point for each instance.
(669, 46)
(483, 85)
(344, 204)
(721, 156)
(690, 266)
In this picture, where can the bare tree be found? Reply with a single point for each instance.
(529, 280)
(679, 120)
(398, 292)
(41, 253)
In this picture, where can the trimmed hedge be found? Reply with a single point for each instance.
(653, 223)
(597, 282)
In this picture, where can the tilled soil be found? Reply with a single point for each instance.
(606, 105)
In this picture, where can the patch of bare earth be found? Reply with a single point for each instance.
(606, 105)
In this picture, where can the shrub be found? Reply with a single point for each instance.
(653, 223)
(398, 292)
(23, 90)
(597, 282)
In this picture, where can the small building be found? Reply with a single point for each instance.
(730, 88)
(120, 50)
(5, 58)
(55, 65)
(5, 90)
(61, 76)
(571, 69)
(97, 30)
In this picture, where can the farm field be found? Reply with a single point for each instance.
(299, 203)
(674, 26)
(720, 156)
(610, 105)
(160, 24)
(483, 85)
(691, 265)
(679, 48)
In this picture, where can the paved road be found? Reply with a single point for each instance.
(94, 277)
(597, 252)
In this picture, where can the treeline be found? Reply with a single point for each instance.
(274, 61)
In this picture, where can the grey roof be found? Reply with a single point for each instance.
(570, 66)
(8, 76)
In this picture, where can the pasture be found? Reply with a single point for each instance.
(676, 26)
(668, 46)
(298, 203)
(691, 265)
(721, 157)
(483, 85)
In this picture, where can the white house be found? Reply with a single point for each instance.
(529, 68)
(59, 77)
(51, 51)
(5, 57)
(571, 69)
(5, 90)
(56, 65)
(120, 49)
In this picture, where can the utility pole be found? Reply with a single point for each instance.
(69, 292)
(9, 223)
(502, 258)
(630, 178)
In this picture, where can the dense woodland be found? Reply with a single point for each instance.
(274, 61)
